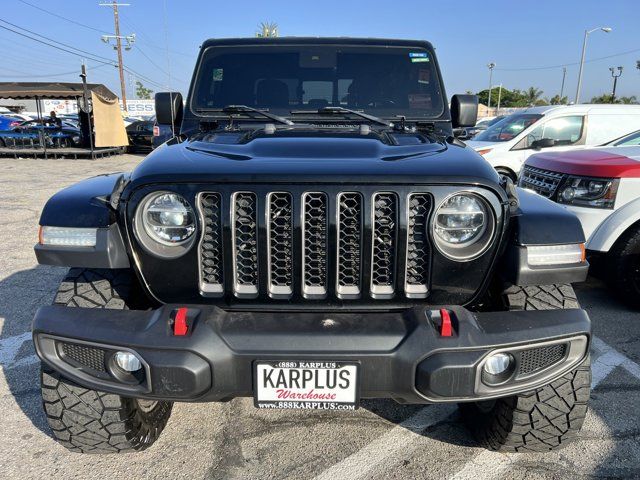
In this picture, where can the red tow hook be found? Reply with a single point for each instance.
(446, 329)
(180, 326)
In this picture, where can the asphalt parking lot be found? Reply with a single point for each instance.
(234, 440)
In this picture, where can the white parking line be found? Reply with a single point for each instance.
(394, 442)
(485, 465)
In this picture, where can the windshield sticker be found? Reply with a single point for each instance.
(419, 59)
(424, 75)
(420, 100)
(418, 55)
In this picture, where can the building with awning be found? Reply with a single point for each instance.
(105, 120)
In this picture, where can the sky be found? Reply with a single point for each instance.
(528, 41)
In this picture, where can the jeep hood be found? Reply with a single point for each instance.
(312, 158)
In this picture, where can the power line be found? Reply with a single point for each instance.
(72, 50)
(63, 18)
(63, 74)
(549, 67)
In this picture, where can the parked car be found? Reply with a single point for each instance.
(33, 132)
(509, 142)
(140, 136)
(602, 187)
(469, 133)
(293, 245)
(7, 122)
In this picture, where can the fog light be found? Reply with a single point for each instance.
(127, 361)
(497, 363)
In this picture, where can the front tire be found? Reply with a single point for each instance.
(89, 421)
(546, 418)
(623, 268)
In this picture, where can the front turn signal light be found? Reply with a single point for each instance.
(484, 151)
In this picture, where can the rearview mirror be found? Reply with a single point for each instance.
(542, 143)
(464, 110)
(169, 109)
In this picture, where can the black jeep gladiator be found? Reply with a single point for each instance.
(312, 235)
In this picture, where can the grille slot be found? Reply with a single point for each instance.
(543, 182)
(211, 278)
(245, 244)
(280, 238)
(349, 233)
(384, 247)
(85, 356)
(314, 241)
(418, 248)
(542, 357)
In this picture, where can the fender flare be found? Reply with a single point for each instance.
(616, 224)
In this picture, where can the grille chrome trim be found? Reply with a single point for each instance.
(247, 288)
(314, 245)
(543, 182)
(384, 245)
(418, 254)
(216, 251)
(349, 284)
(279, 231)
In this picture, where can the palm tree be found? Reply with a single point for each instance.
(267, 29)
(532, 95)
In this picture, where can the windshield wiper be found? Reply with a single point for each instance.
(247, 110)
(342, 110)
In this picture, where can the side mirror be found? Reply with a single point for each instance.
(169, 109)
(542, 143)
(464, 110)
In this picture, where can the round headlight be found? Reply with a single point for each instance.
(168, 218)
(463, 226)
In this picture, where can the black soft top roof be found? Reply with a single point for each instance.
(316, 41)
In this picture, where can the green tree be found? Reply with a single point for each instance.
(607, 98)
(267, 29)
(532, 96)
(556, 100)
(143, 92)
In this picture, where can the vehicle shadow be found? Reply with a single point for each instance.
(20, 296)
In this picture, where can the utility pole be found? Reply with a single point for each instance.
(118, 47)
(491, 66)
(564, 75)
(615, 81)
(499, 96)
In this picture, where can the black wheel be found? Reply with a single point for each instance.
(543, 419)
(623, 267)
(90, 421)
(507, 172)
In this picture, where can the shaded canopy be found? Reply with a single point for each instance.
(52, 90)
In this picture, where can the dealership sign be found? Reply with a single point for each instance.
(134, 107)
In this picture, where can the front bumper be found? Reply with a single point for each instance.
(402, 355)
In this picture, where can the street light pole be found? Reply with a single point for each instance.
(584, 52)
(491, 67)
(615, 81)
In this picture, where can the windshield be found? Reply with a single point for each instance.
(382, 81)
(629, 140)
(508, 128)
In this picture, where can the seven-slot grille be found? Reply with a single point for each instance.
(348, 245)
(543, 182)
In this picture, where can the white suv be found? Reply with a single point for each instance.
(507, 144)
(602, 187)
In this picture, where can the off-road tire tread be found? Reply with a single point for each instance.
(538, 421)
(541, 297)
(548, 417)
(90, 421)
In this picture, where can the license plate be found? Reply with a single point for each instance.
(316, 385)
